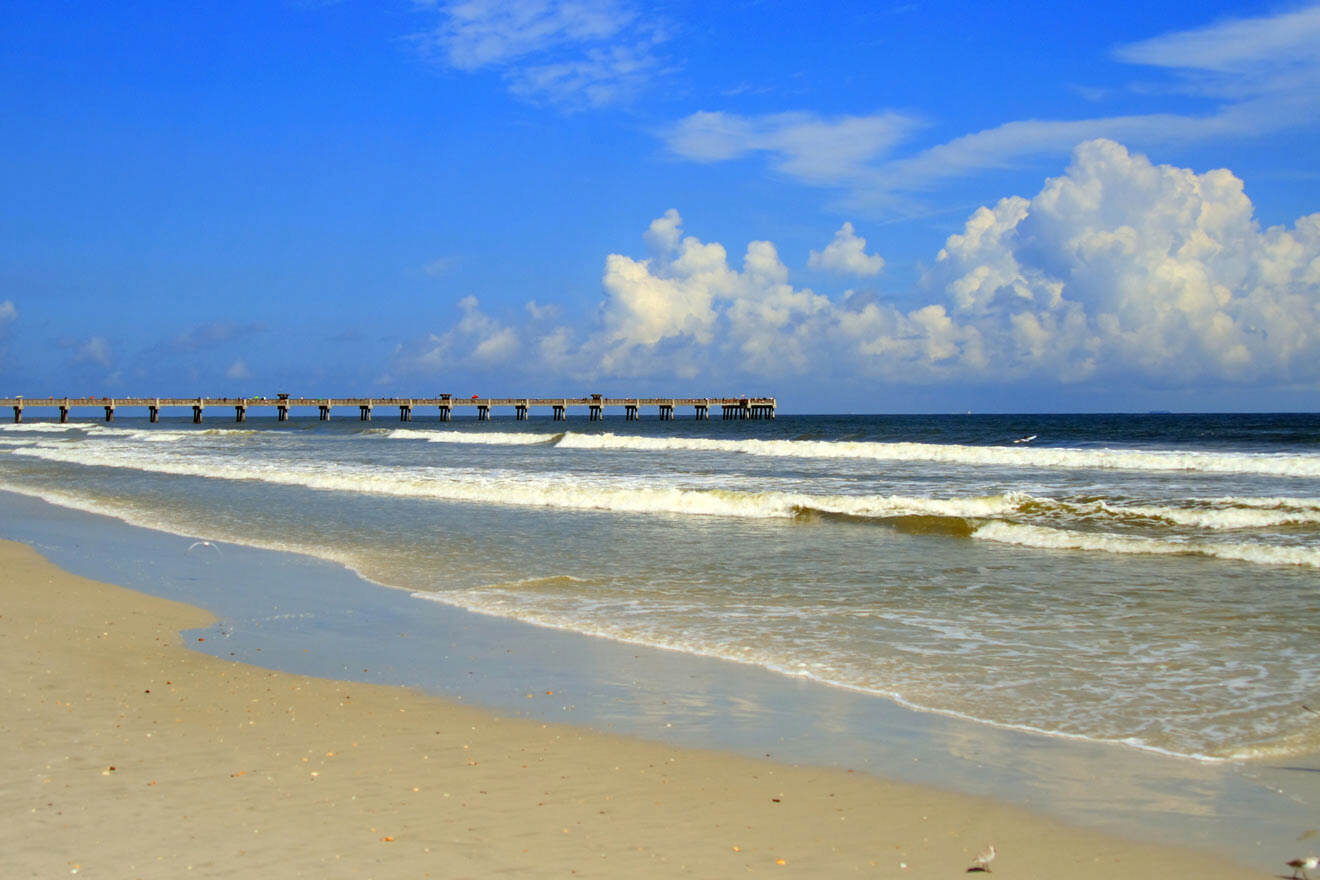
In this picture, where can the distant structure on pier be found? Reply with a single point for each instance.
(595, 405)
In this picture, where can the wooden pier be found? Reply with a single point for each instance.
(595, 406)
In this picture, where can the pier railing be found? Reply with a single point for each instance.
(595, 405)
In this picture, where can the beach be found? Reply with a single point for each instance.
(133, 756)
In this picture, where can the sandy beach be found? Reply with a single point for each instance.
(131, 756)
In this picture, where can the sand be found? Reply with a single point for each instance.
(128, 755)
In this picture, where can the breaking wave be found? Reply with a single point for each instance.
(1269, 464)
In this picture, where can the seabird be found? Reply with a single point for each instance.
(1307, 864)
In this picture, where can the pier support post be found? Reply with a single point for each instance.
(64, 412)
(153, 411)
(558, 409)
(197, 413)
(597, 413)
(364, 412)
(405, 412)
(666, 412)
(324, 409)
(703, 412)
(110, 411)
(18, 414)
(520, 411)
(283, 410)
(630, 412)
(483, 412)
(444, 412)
(240, 412)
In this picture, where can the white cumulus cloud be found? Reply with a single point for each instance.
(1118, 268)
(847, 255)
(1121, 265)
(476, 340)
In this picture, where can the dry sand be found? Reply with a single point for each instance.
(128, 755)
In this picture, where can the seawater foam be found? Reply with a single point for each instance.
(1047, 538)
(1225, 514)
(578, 493)
(570, 493)
(41, 427)
(507, 601)
(492, 438)
(1269, 464)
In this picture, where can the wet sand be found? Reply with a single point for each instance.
(131, 756)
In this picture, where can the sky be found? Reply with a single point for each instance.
(854, 207)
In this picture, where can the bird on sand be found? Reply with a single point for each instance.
(1307, 864)
(983, 860)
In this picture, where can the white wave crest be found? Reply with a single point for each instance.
(1224, 516)
(493, 438)
(41, 427)
(1272, 464)
(569, 492)
(1060, 539)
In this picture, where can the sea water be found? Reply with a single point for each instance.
(1151, 581)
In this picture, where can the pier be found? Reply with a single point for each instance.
(594, 405)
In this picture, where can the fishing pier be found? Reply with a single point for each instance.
(595, 406)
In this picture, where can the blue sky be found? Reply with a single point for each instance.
(877, 207)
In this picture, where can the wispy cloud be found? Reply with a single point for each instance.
(94, 351)
(1237, 45)
(213, 334)
(815, 149)
(1263, 75)
(569, 53)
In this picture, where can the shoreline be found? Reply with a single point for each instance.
(284, 611)
(134, 756)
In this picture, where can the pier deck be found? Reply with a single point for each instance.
(595, 405)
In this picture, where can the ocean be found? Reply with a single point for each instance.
(1150, 581)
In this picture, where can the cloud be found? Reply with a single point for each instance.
(847, 255)
(238, 370)
(570, 53)
(680, 308)
(1234, 45)
(802, 145)
(1117, 270)
(95, 351)
(541, 312)
(1121, 266)
(442, 266)
(476, 341)
(1263, 73)
(8, 312)
(213, 334)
